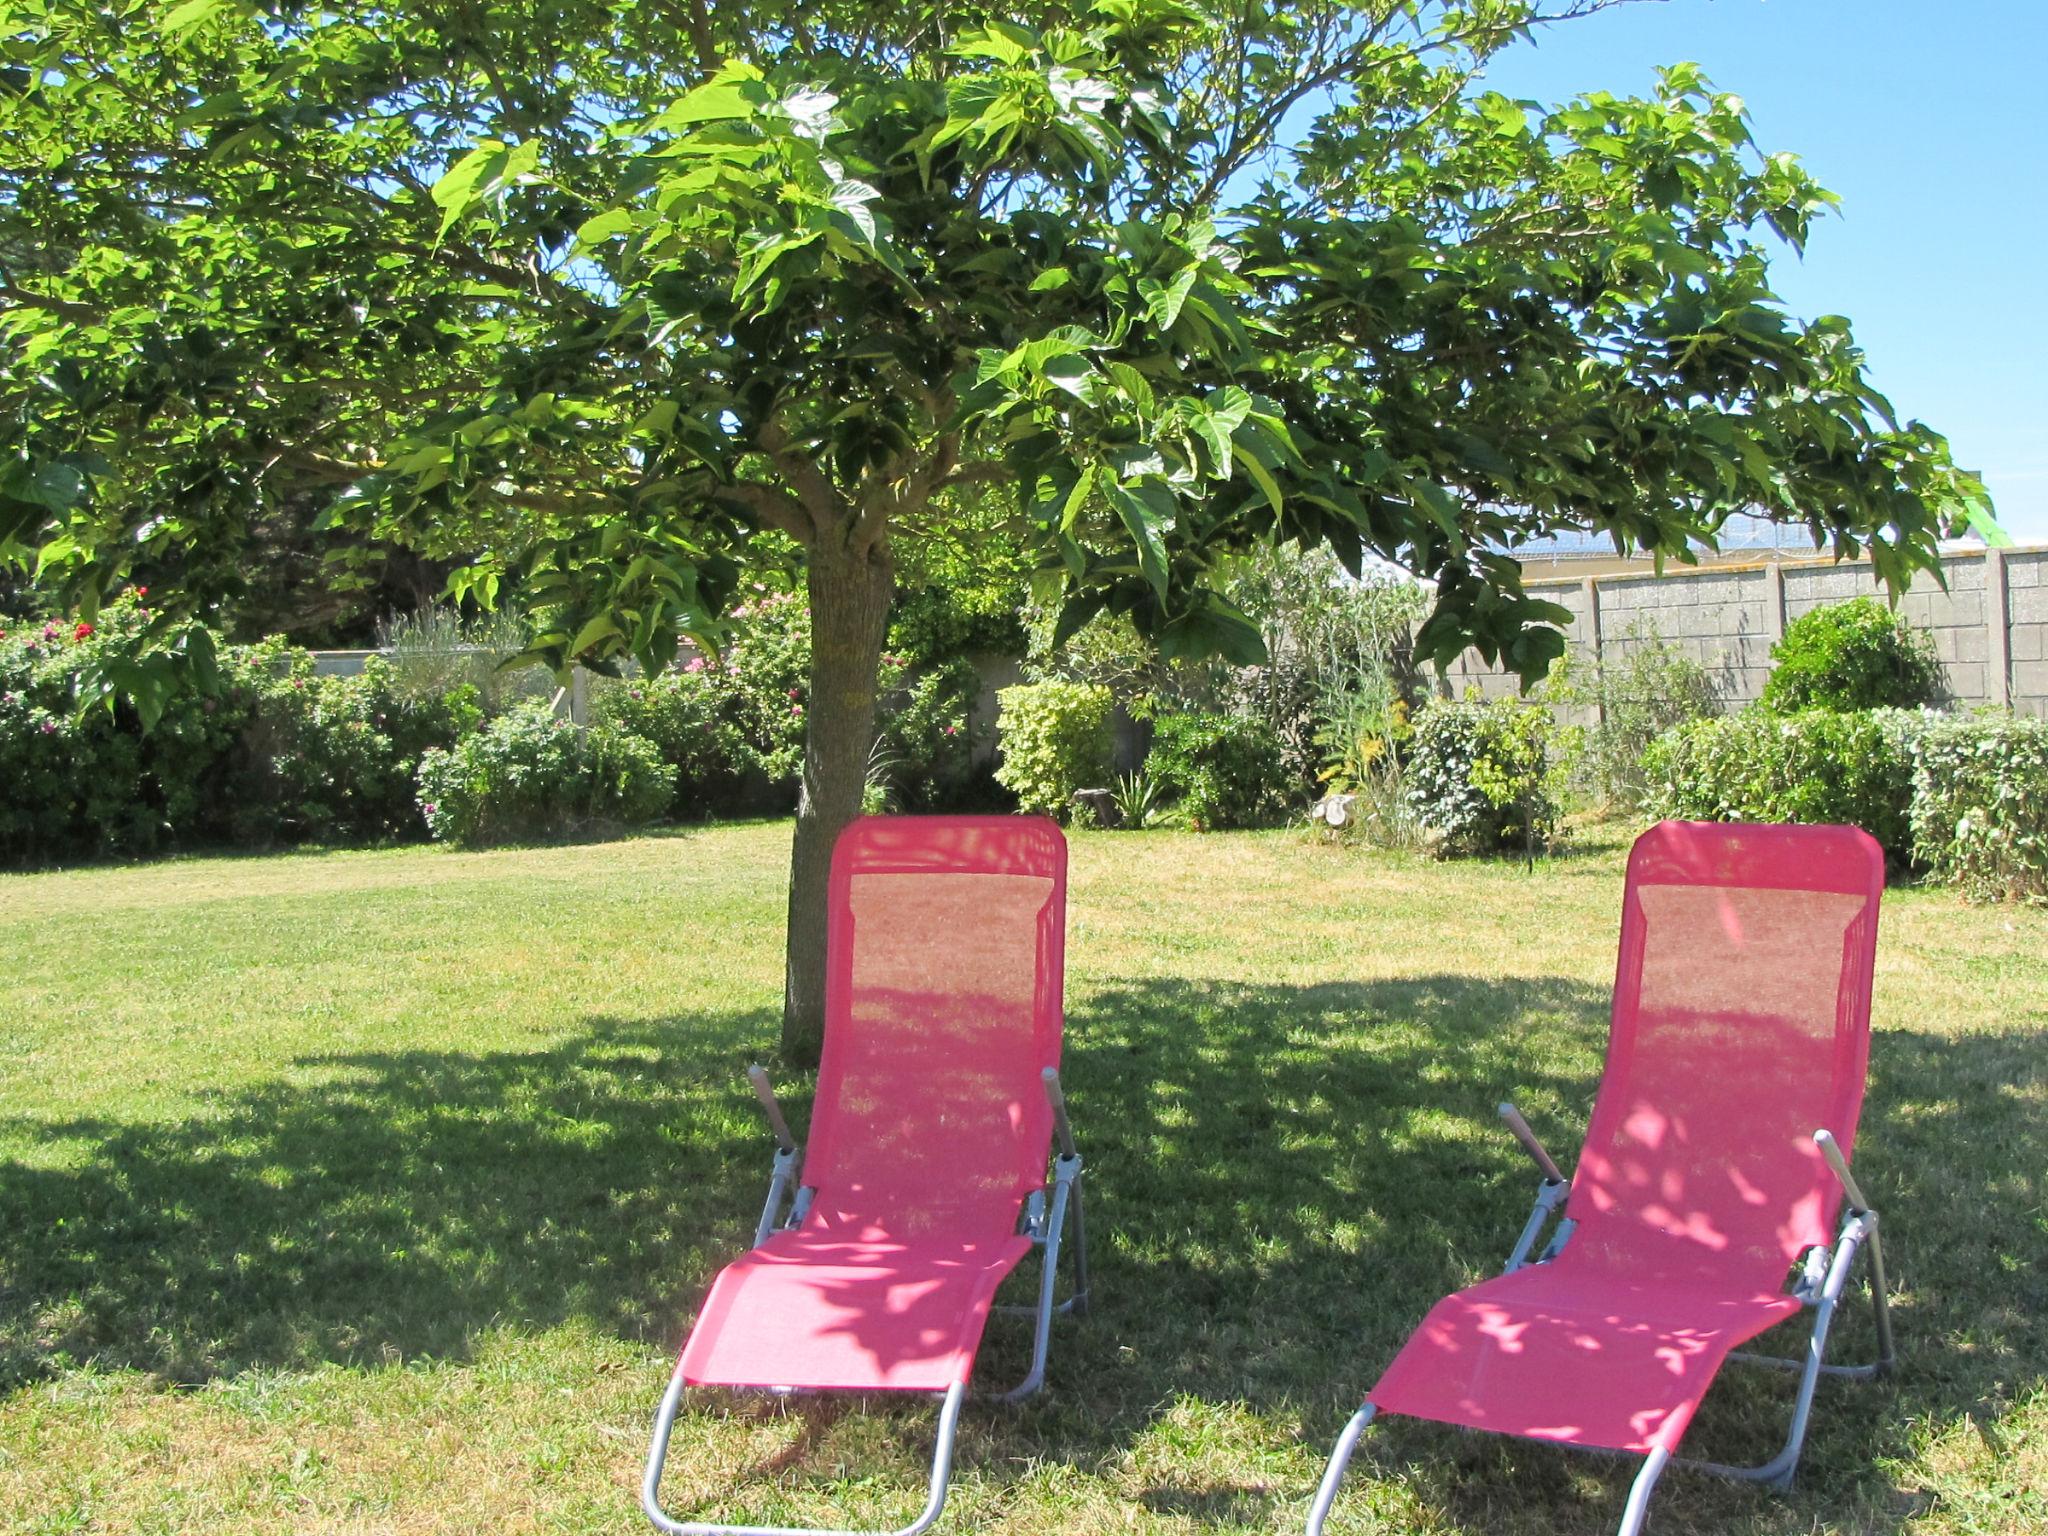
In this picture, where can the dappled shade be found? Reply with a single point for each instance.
(931, 1127)
(1740, 1026)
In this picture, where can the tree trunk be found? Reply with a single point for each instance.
(850, 596)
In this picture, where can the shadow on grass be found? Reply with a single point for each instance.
(1299, 1173)
(391, 1205)
(1282, 1180)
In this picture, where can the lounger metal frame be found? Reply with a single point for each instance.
(1045, 1221)
(1820, 1287)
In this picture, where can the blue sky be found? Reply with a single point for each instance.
(1931, 123)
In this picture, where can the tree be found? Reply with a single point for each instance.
(609, 305)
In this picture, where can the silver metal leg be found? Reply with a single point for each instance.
(1066, 1204)
(657, 1455)
(1333, 1474)
(1637, 1509)
(1779, 1470)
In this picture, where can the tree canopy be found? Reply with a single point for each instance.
(605, 305)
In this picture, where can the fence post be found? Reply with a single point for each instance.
(579, 696)
(1997, 631)
(1774, 602)
(1589, 589)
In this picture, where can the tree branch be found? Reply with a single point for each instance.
(701, 38)
(904, 495)
(777, 509)
(814, 491)
(64, 309)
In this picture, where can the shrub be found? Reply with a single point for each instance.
(1224, 770)
(1136, 799)
(1854, 655)
(334, 759)
(1648, 687)
(436, 650)
(927, 736)
(1478, 774)
(1055, 739)
(1331, 640)
(685, 712)
(90, 781)
(765, 675)
(1817, 766)
(530, 775)
(1980, 805)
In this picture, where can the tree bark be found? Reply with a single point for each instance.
(850, 591)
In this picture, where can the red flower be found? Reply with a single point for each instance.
(142, 591)
(82, 632)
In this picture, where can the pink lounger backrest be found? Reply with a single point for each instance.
(945, 962)
(1741, 1025)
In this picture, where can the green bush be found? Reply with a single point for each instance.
(685, 712)
(1055, 739)
(1818, 766)
(731, 725)
(1854, 655)
(334, 759)
(530, 776)
(1980, 805)
(927, 736)
(1224, 770)
(90, 782)
(1478, 774)
(1648, 686)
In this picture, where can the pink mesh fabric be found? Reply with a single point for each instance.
(1741, 1025)
(945, 962)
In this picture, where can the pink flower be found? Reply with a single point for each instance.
(694, 664)
(430, 807)
(49, 631)
(952, 730)
(796, 693)
(795, 710)
(49, 727)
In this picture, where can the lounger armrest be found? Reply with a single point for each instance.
(1058, 1100)
(1832, 1151)
(1521, 1132)
(765, 1092)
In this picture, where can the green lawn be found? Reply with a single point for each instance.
(371, 1192)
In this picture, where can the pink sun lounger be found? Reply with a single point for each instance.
(878, 1255)
(1713, 1168)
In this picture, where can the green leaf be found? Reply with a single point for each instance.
(1213, 627)
(734, 94)
(1148, 511)
(605, 226)
(479, 175)
(1262, 477)
(1077, 498)
(193, 14)
(53, 487)
(598, 630)
(1163, 304)
(1074, 375)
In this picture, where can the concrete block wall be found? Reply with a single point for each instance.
(1990, 624)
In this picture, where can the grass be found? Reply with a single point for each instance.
(371, 1192)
